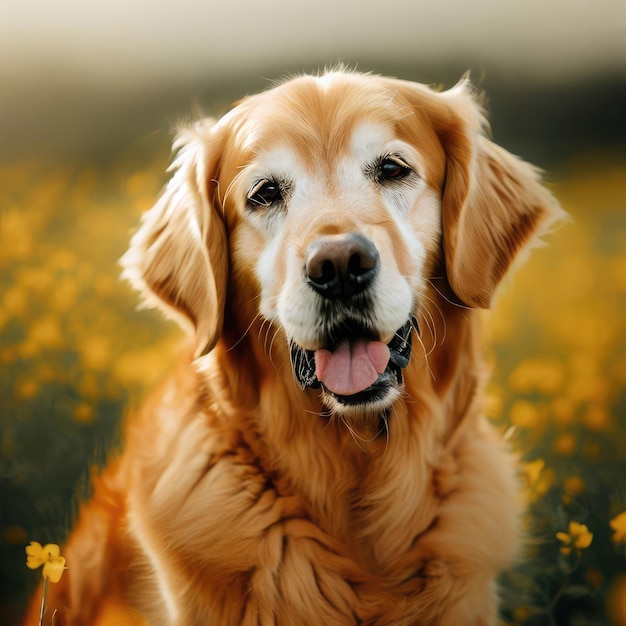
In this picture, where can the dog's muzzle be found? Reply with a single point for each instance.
(355, 370)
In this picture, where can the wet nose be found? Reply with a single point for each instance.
(339, 266)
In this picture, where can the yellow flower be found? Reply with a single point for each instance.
(533, 470)
(565, 444)
(49, 556)
(574, 485)
(525, 414)
(538, 479)
(545, 376)
(618, 524)
(578, 536)
(83, 413)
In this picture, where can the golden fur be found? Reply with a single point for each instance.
(240, 496)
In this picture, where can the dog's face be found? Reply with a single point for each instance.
(323, 207)
(336, 211)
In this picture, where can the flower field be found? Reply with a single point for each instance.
(76, 355)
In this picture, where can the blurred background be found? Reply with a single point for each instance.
(89, 93)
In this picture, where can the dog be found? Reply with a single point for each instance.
(322, 457)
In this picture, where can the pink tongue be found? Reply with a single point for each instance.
(352, 367)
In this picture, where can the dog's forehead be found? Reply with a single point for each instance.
(315, 117)
(360, 145)
(324, 119)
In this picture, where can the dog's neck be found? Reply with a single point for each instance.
(345, 472)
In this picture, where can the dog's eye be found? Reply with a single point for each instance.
(392, 168)
(264, 193)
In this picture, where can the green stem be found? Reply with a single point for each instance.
(557, 596)
(43, 601)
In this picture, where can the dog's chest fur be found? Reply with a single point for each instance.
(353, 536)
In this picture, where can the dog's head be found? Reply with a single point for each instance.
(325, 207)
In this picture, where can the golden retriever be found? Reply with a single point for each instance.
(323, 459)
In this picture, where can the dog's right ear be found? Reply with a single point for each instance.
(178, 259)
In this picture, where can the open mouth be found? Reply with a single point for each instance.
(354, 368)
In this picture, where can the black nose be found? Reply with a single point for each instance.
(338, 266)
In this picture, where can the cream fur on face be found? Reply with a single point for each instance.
(401, 220)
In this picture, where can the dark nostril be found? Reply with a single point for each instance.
(328, 272)
(360, 264)
(341, 265)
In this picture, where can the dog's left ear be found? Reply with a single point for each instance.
(178, 257)
(493, 204)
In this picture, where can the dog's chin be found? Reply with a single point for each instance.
(374, 400)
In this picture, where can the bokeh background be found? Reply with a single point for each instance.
(89, 92)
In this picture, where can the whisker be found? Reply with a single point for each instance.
(269, 351)
(267, 328)
(433, 332)
(331, 418)
(429, 322)
(245, 332)
(443, 318)
(386, 428)
(426, 354)
(460, 306)
(233, 182)
(254, 320)
(352, 433)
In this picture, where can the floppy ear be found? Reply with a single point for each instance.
(178, 257)
(493, 203)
